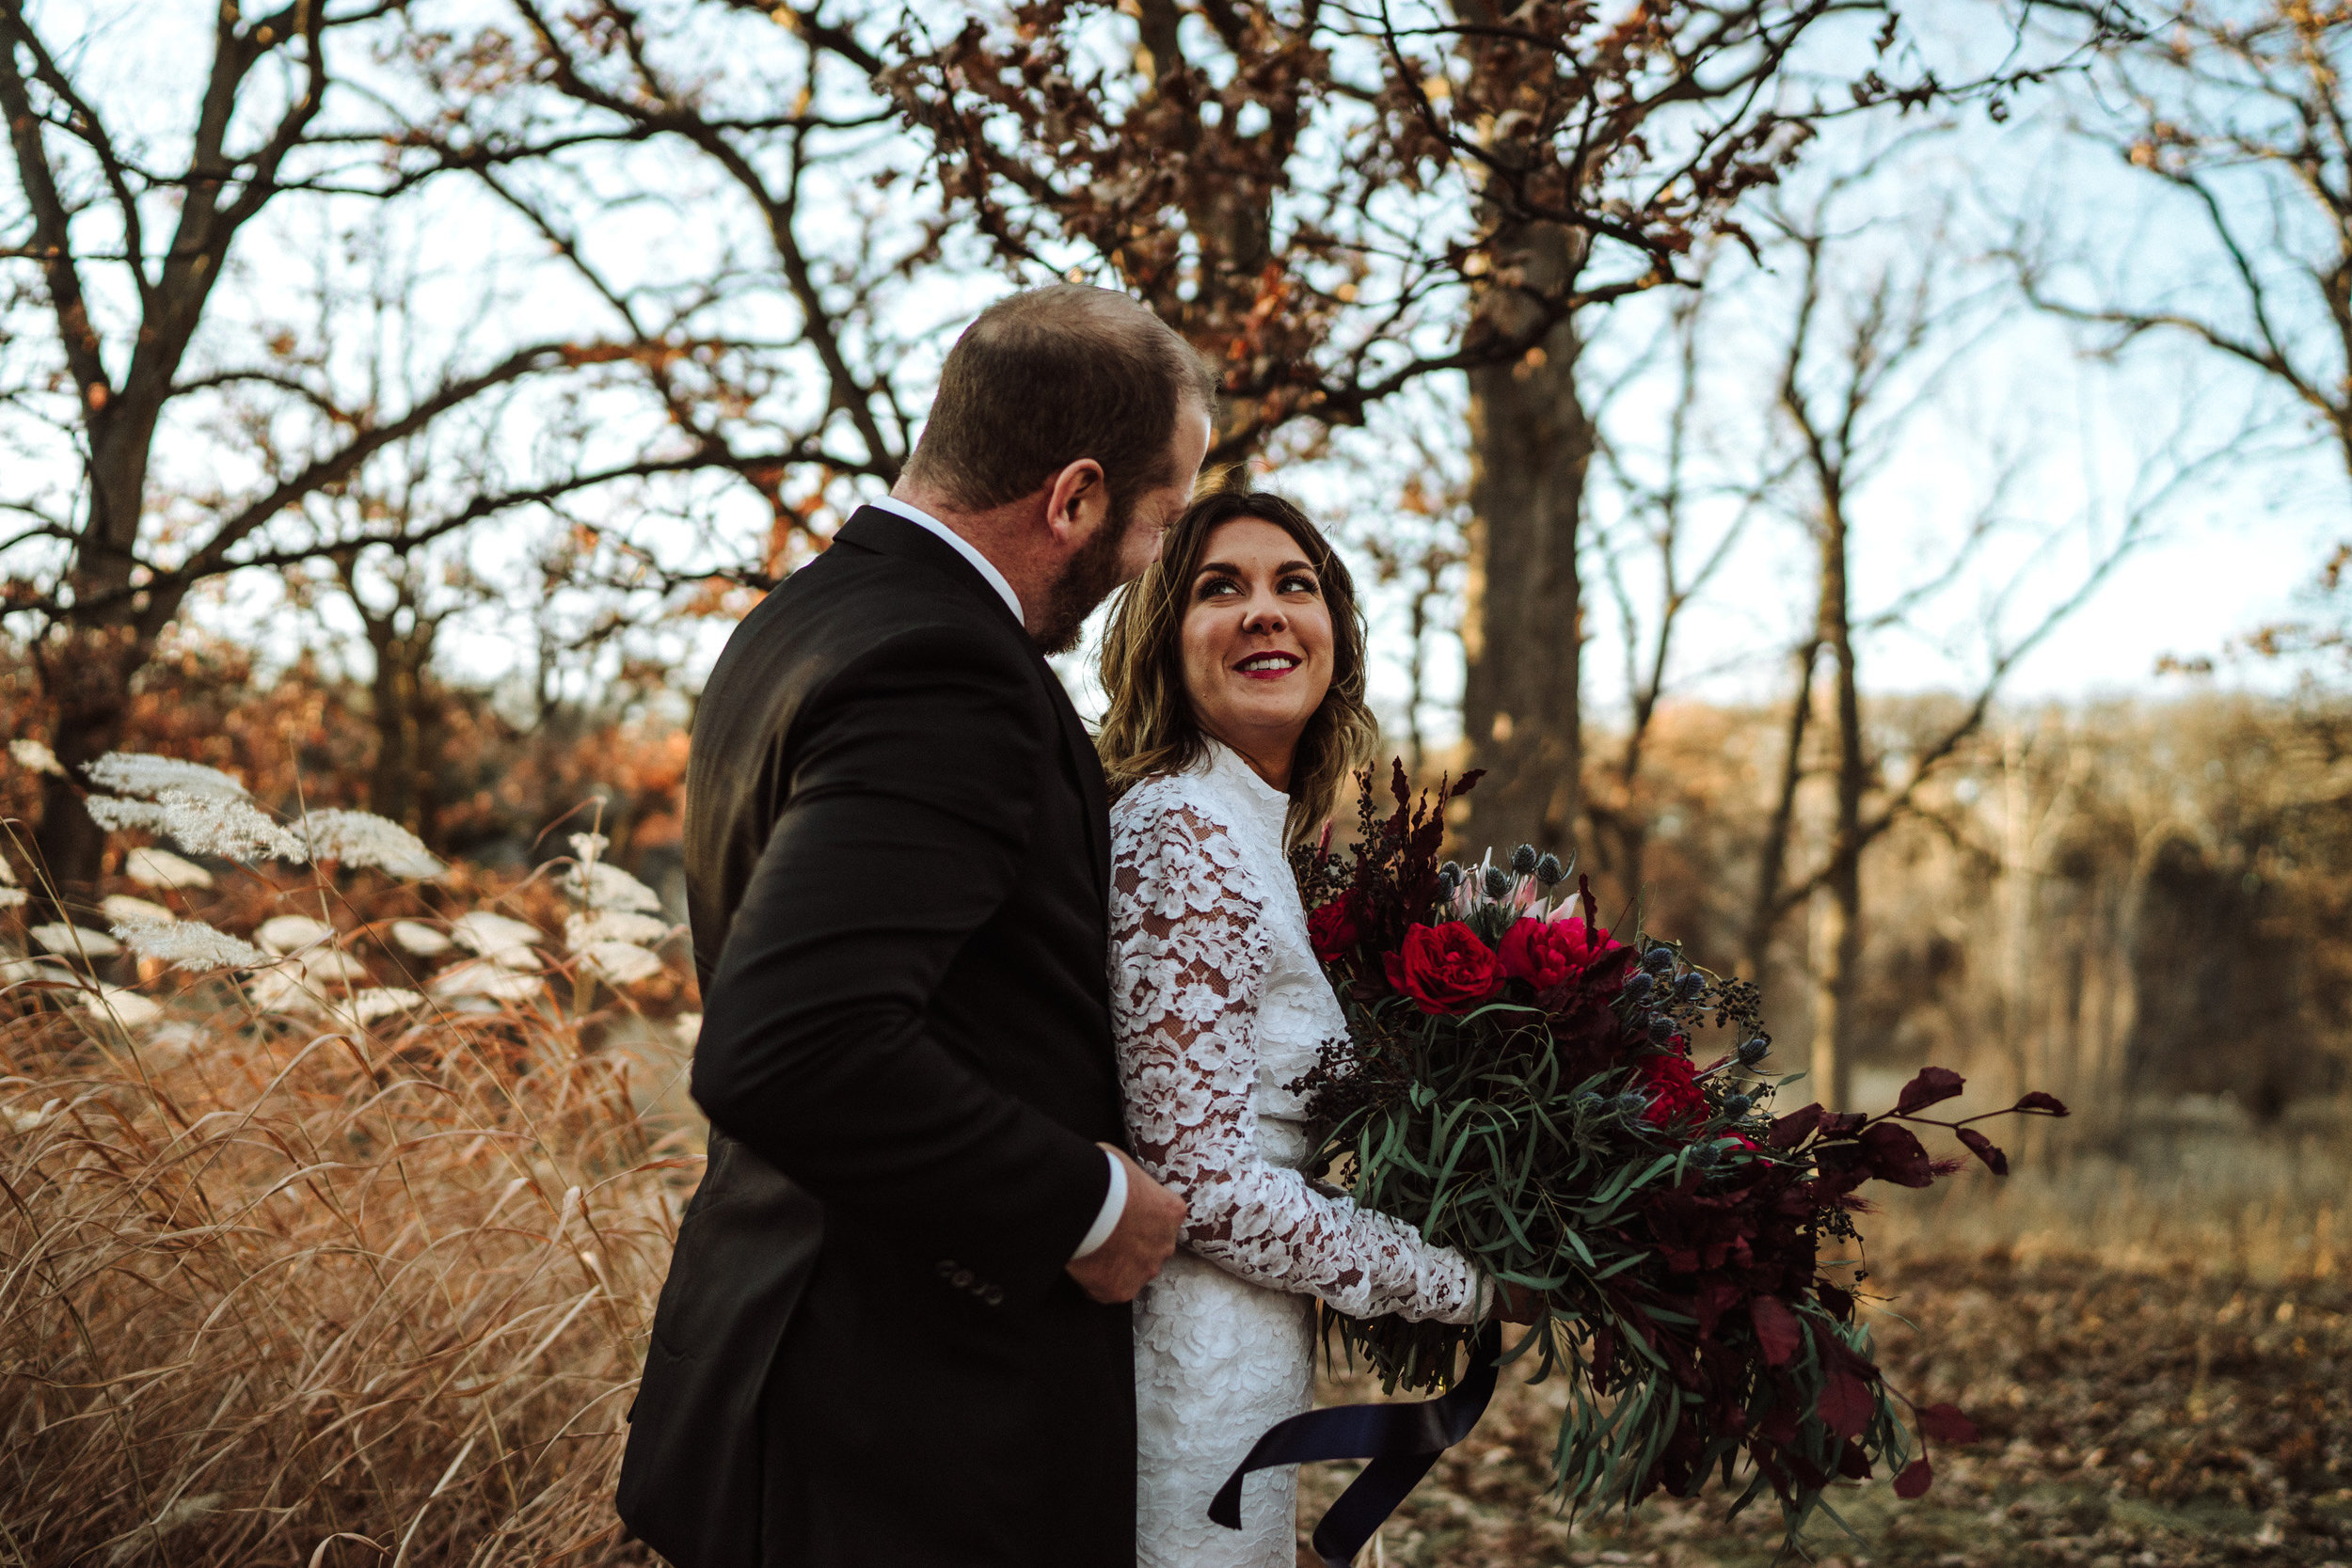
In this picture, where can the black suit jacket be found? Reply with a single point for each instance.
(898, 862)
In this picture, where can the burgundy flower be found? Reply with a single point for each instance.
(1336, 926)
(1444, 969)
(1671, 1084)
(1547, 954)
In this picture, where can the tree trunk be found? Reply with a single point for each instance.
(1772, 863)
(85, 679)
(1530, 444)
(1838, 962)
(400, 786)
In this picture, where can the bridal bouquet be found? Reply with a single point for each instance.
(1527, 1086)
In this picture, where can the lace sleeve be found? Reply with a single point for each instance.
(1188, 955)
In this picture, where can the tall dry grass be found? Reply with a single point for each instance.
(272, 1291)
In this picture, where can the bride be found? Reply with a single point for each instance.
(1236, 668)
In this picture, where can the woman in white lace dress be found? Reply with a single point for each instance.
(1235, 671)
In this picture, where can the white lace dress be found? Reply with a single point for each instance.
(1219, 1002)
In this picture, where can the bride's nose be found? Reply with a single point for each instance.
(1264, 618)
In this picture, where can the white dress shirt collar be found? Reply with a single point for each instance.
(957, 543)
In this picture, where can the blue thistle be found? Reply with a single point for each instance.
(1523, 859)
(1498, 881)
(1548, 870)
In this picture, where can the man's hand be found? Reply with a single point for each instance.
(1147, 1233)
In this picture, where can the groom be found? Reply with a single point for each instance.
(895, 1332)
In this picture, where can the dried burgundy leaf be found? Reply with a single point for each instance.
(1853, 1462)
(1914, 1480)
(1790, 1130)
(1896, 1155)
(1932, 1086)
(1984, 1148)
(1945, 1423)
(1777, 1331)
(1842, 1124)
(2049, 1104)
(1845, 1406)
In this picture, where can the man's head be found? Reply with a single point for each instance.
(1067, 429)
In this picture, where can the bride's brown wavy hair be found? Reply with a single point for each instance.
(1151, 730)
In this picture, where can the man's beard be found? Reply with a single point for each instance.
(1085, 582)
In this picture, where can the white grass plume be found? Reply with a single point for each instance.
(229, 826)
(162, 868)
(621, 963)
(503, 941)
(125, 1005)
(192, 945)
(363, 838)
(379, 1001)
(480, 977)
(120, 909)
(68, 940)
(141, 773)
(414, 936)
(117, 816)
(34, 757)
(608, 887)
(290, 933)
(583, 931)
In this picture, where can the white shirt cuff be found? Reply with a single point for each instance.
(1113, 1205)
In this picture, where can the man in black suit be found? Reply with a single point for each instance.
(895, 1329)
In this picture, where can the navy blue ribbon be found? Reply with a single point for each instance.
(1403, 1441)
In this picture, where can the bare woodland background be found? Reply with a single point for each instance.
(400, 402)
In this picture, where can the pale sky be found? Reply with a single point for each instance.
(2025, 422)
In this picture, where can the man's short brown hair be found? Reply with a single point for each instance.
(1049, 376)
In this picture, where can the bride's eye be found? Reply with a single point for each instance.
(1299, 582)
(1215, 587)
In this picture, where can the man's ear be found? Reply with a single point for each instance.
(1077, 500)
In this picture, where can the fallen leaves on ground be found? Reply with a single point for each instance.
(2127, 1420)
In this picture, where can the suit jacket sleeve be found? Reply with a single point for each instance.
(908, 814)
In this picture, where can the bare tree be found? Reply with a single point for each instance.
(1676, 526)
(2247, 118)
(1849, 383)
(120, 247)
(771, 139)
(1337, 202)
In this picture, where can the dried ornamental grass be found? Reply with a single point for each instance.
(192, 945)
(120, 909)
(152, 867)
(359, 838)
(326, 1299)
(34, 757)
(503, 941)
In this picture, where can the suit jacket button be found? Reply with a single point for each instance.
(994, 1295)
(947, 1266)
(961, 1280)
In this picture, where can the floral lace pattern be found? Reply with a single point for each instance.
(1217, 1003)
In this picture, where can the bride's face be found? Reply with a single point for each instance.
(1257, 642)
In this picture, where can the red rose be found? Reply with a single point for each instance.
(1336, 927)
(1444, 969)
(1672, 1086)
(1550, 953)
